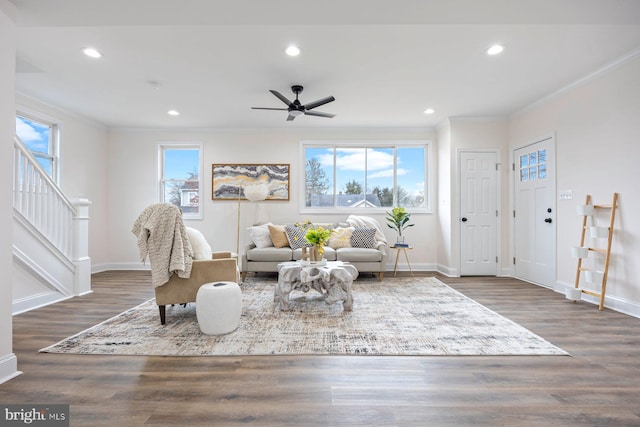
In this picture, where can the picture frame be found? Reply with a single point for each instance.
(228, 180)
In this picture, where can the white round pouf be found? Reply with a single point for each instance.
(218, 307)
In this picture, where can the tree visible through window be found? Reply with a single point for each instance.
(342, 175)
(180, 182)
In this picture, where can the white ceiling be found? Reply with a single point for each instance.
(384, 61)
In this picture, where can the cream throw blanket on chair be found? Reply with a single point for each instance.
(162, 236)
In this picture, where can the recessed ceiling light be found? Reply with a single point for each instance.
(293, 50)
(91, 52)
(495, 49)
(429, 111)
(173, 113)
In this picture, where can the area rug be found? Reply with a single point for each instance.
(403, 316)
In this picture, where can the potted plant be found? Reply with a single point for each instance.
(317, 236)
(398, 219)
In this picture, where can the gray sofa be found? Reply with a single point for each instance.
(366, 260)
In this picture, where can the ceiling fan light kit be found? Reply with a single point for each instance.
(296, 108)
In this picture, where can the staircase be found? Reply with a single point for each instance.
(50, 237)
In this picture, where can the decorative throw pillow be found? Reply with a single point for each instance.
(363, 237)
(200, 246)
(260, 235)
(295, 235)
(367, 222)
(278, 236)
(341, 238)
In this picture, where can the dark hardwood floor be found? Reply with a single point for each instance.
(599, 385)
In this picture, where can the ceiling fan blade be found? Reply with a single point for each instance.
(290, 118)
(267, 108)
(312, 105)
(281, 97)
(319, 114)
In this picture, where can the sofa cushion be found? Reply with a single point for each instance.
(329, 254)
(278, 236)
(260, 235)
(270, 254)
(363, 238)
(295, 235)
(358, 255)
(341, 238)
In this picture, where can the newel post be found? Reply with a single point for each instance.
(82, 277)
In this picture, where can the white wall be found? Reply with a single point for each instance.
(486, 133)
(83, 168)
(597, 128)
(8, 361)
(454, 135)
(132, 180)
(443, 203)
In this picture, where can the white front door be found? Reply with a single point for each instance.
(478, 213)
(535, 212)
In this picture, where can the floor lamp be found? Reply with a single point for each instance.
(253, 193)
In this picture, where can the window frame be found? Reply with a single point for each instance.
(371, 144)
(55, 126)
(181, 145)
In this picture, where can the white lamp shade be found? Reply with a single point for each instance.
(256, 192)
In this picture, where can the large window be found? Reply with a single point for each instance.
(41, 138)
(366, 175)
(180, 177)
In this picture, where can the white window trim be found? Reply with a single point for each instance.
(56, 123)
(181, 145)
(397, 143)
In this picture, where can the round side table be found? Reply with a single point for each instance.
(402, 249)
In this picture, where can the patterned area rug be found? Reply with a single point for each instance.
(404, 316)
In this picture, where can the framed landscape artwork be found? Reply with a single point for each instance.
(228, 180)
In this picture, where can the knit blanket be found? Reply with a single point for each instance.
(163, 238)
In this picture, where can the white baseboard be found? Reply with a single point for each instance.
(98, 268)
(614, 303)
(506, 272)
(8, 368)
(448, 271)
(32, 302)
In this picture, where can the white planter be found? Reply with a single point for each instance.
(594, 276)
(599, 232)
(584, 210)
(573, 294)
(580, 251)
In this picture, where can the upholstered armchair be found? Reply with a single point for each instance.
(180, 257)
(222, 267)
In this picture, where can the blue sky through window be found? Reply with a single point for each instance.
(179, 163)
(34, 135)
(350, 164)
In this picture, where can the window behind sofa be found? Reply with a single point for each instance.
(365, 176)
(180, 172)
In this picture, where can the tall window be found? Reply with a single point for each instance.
(366, 175)
(180, 177)
(41, 138)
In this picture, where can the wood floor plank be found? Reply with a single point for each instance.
(597, 385)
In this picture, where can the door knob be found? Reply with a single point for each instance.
(464, 219)
(548, 220)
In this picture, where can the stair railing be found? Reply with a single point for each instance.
(41, 202)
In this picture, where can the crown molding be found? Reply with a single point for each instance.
(631, 56)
